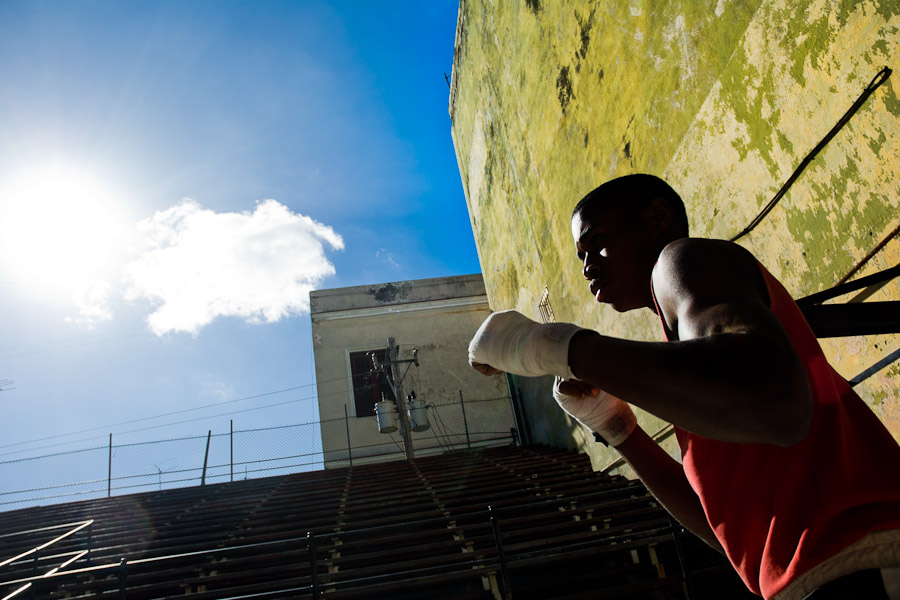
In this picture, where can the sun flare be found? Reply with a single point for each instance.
(60, 229)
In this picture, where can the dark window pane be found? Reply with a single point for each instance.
(368, 384)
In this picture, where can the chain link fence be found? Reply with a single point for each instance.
(116, 469)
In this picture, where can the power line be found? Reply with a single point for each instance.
(187, 410)
(157, 426)
(106, 427)
(177, 412)
(9, 351)
(103, 437)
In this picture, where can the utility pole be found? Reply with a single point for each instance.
(392, 358)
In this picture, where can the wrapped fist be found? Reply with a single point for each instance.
(597, 410)
(509, 341)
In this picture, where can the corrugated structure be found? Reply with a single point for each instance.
(722, 99)
(418, 529)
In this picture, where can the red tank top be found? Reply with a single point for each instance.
(780, 511)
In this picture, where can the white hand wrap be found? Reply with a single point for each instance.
(605, 414)
(511, 342)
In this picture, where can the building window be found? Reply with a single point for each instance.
(368, 383)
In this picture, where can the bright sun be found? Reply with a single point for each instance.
(60, 229)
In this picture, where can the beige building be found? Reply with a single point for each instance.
(431, 322)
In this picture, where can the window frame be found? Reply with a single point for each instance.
(360, 397)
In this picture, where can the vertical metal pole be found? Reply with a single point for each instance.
(682, 556)
(90, 542)
(391, 359)
(465, 422)
(205, 458)
(313, 574)
(231, 439)
(347, 424)
(515, 401)
(109, 476)
(505, 589)
(33, 574)
(123, 577)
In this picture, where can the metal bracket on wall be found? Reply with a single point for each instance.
(853, 318)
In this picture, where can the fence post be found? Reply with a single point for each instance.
(682, 556)
(33, 574)
(205, 458)
(465, 423)
(123, 577)
(347, 425)
(505, 591)
(109, 476)
(90, 543)
(313, 569)
(231, 440)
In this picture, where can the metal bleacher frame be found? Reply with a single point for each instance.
(501, 522)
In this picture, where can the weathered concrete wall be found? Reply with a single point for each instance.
(437, 317)
(722, 99)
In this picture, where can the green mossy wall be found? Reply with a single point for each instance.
(723, 99)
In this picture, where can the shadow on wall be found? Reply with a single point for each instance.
(538, 418)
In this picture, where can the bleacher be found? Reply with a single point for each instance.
(505, 522)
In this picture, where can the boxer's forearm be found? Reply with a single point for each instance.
(734, 387)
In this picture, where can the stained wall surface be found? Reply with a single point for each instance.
(436, 318)
(723, 99)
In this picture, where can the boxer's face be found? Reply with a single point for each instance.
(617, 252)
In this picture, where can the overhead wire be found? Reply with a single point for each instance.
(177, 412)
(183, 411)
(61, 345)
(160, 416)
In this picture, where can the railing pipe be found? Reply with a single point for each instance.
(19, 591)
(33, 573)
(37, 549)
(93, 488)
(505, 589)
(465, 422)
(90, 544)
(109, 475)
(662, 533)
(313, 568)
(682, 556)
(206, 458)
(123, 577)
(349, 446)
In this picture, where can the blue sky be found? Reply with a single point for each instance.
(175, 177)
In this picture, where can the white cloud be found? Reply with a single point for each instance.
(387, 258)
(92, 301)
(198, 264)
(217, 389)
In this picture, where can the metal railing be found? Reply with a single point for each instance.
(496, 567)
(35, 553)
(116, 469)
